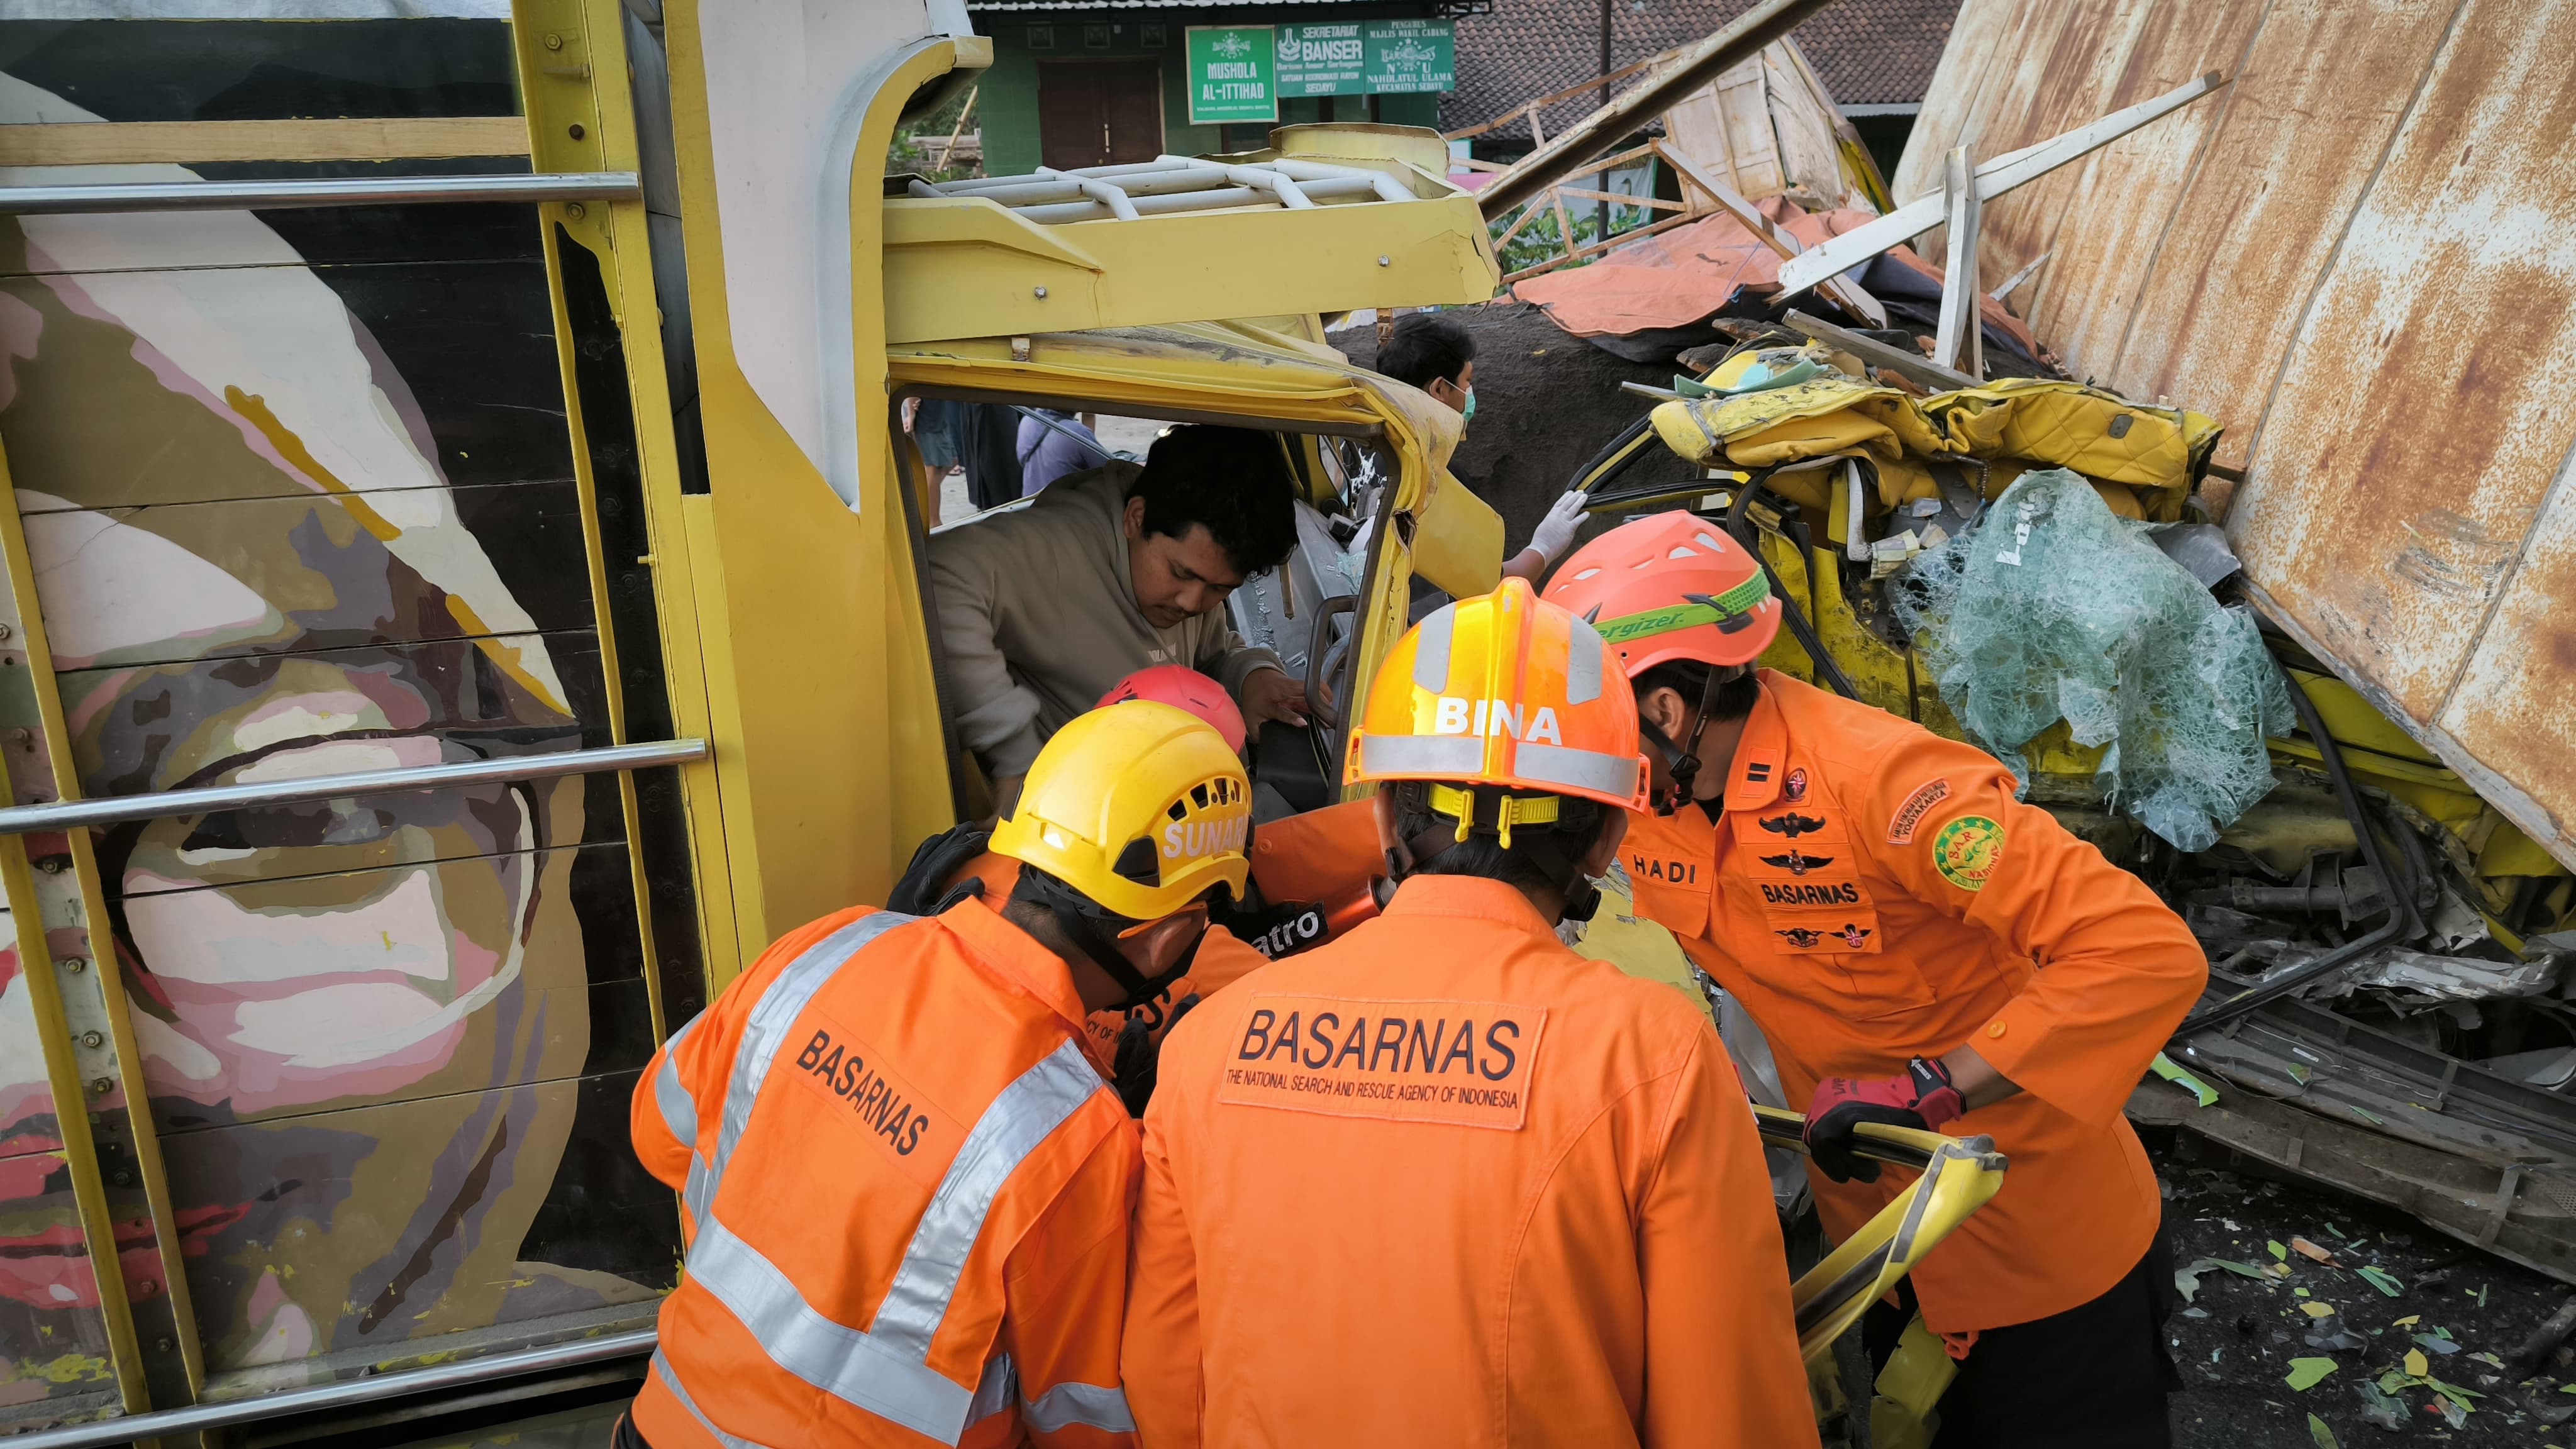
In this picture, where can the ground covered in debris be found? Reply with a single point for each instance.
(2265, 1316)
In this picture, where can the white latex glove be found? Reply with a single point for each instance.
(1555, 533)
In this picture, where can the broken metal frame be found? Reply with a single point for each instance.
(2473, 1154)
(1994, 178)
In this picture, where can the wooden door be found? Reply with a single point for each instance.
(1099, 112)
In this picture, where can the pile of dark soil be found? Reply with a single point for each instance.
(1545, 403)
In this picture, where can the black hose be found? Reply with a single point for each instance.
(1614, 458)
(2401, 891)
(1740, 528)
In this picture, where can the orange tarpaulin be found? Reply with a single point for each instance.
(1684, 276)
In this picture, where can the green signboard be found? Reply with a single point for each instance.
(1233, 74)
(1407, 57)
(1321, 60)
(1367, 57)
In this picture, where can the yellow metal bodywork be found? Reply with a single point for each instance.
(967, 267)
(1962, 1177)
(2143, 461)
(806, 647)
(816, 685)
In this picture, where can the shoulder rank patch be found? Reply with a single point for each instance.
(1900, 828)
(1967, 850)
(1758, 771)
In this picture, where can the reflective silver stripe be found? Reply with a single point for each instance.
(1431, 649)
(772, 1015)
(1448, 756)
(1582, 664)
(679, 1109)
(700, 1187)
(1025, 1114)
(857, 1368)
(1000, 1385)
(1613, 775)
(671, 1381)
(1087, 1404)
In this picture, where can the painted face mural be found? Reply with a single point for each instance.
(295, 516)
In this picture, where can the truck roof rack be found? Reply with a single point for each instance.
(1349, 217)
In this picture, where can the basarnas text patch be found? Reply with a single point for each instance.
(1458, 1063)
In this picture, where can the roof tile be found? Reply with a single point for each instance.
(1867, 52)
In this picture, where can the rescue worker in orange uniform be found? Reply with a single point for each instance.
(1442, 1180)
(905, 1189)
(1921, 948)
(1331, 853)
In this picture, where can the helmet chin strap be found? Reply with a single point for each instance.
(1083, 930)
(1681, 762)
(1085, 934)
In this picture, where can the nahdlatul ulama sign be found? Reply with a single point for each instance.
(1407, 57)
(1234, 74)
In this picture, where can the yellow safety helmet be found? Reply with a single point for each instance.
(1139, 806)
(1506, 690)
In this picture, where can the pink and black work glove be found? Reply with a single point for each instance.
(1922, 1099)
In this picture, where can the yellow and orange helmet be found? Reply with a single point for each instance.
(1506, 690)
(1141, 807)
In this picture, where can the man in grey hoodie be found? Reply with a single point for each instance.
(1106, 572)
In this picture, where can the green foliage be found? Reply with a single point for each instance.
(919, 141)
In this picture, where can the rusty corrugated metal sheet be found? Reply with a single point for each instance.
(2361, 257)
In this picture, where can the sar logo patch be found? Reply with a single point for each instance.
(1900, 827)
(1966, 851)
(1853, 936)
(1794, 788)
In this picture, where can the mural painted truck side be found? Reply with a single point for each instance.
(582, 528)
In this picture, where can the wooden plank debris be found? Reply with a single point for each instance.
(1959, 343)
(1843, 292)
(1996, 177)
(1913, 367)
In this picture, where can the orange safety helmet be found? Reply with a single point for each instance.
(1670, 586)
(1504, 690)
(1182, 687)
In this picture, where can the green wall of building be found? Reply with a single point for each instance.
(1007, 105)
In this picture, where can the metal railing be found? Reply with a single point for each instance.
(168, 1423)
(116, 809)
(1166, 185)
(335, 191)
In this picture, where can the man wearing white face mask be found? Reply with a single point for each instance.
(1433, 351)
